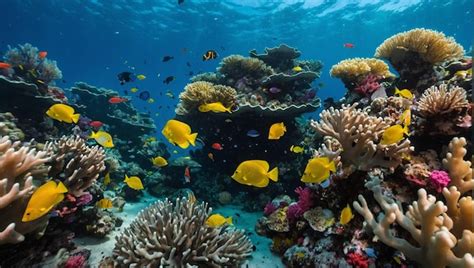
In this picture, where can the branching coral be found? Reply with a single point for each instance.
(441, 100)
(357, 135)
(75, 163)
(356, 69)
(443, 233)
(432, 46)
(18, 165)
(201, 92)
(237, 67)
(167, 234)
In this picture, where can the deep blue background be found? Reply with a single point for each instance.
(92, 40)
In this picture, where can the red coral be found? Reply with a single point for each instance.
(368, 85)
(357, 260)
(305, 202)
(78, 261)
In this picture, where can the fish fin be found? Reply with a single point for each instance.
(93, 135)
(291, 148)
(61, 188)
(229, 220)
(397, 91)
(273, 174)
(228, 110)
(192, 139)
(126, 178)
(75, 118)
(59, 198)
(332, 166)
(406, 131)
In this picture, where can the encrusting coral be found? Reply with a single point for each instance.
(202, 92)
(443, 233)
(167, 234)
(356, 135)
(75, 163)
(354, 70)
(18, 165)
(442, 100)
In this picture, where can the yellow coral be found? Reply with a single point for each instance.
(432, 46)
(201, 92)
(352, 70)
(236, 67)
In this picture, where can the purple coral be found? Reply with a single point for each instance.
(439, 179)
(368, 85)
(269, 208)
(305, 202)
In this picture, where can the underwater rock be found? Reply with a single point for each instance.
(292, 82)
(280, 58)
(278, 220)
(319, 219)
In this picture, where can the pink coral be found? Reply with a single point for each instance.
(84, 199)
(368, 85)
(439, 179)
(269, 208)
(78, 261)
(304, 203)
(357, 260)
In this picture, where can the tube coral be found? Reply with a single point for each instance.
(167, 234)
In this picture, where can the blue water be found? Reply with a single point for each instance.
(94, 40)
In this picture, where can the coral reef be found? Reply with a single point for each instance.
(236, 67)
(176, 235)
(75, 163)
(354, 70)
(280, 58)
(8, 127)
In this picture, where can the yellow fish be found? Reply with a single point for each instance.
(103, 138)
(63, 113)
(151, 100)
(141, 77)
(255, 173)
(217, 220)
(394, 134)
(134, 182)
(104, 203)
(405, 93)
(169, 94)
(318, 170)
(297, 69)
(179, 133)
(296, 149)
(405, 117)
(276, 131)
(43, 200)
(463, 74)
(107, 179)
(159, 161)
(346, 215)
(216, 107)
(134, 90)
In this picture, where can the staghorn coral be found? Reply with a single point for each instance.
(441, 100)
(18, 165)
(356, 135)
(201, 92)
(75, 163)
(431, 46)
(167, 234)
(237, 67)
(356, 69)
(460, 171)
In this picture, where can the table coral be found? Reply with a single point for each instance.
(167, 234)
(280, 58)
(18, 165)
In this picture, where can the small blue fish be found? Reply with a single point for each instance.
(370, 253)
(253, 133)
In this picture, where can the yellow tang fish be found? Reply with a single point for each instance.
(296, 149)
(346, 215)
(103, 138)
(107, 179)
(394, 134)
(134, 90)
(179, 133)
(405, 117)
(405, 93)
(141, 77)
(217, 220)
(104, 203)
(134, 182)
(255, 173)
(318, 170)
(216, 107)
(43, 200)
(276, 131)
(63, 113)
(297, 69)
(159, 161)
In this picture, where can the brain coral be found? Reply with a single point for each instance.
(432, 46)
(175, 235)
(353, 70)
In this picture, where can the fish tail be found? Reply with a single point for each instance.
(406, 131)
(75, 118)
(93, 135)
(61, 188)
(273, 174)
(397, 91)
(228, 110)
(126, 178)
(192, 139)
(229, 220)
(332, 166)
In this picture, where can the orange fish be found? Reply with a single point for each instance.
(187, 175)
(349, 45)
(42, 54)
(4, 65)
(211, 156)
(115, 100)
